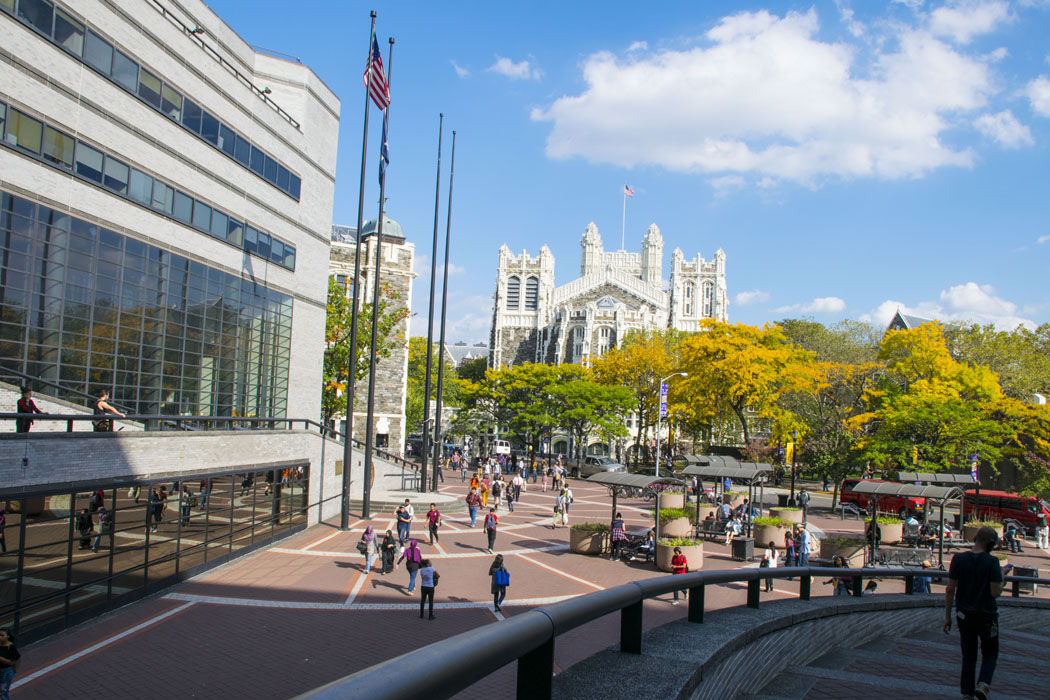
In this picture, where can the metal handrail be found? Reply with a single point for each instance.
(451, 665)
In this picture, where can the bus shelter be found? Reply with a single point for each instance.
(930, 492)
(754, 474)
(619, 480)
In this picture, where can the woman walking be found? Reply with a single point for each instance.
(370, 549)
(789, 549)
(769, 561)
(413, 558)
(9, 657)
(543, 478)
(428, 579)
(500, 580)
(389, 552)
(618, 537)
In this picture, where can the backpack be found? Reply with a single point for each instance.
(502, 577)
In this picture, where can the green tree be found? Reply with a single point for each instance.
(584, 407)
(1020, 358)
(416, 382)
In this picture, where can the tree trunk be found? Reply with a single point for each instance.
(743, 424)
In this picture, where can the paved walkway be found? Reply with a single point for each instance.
(295, 616)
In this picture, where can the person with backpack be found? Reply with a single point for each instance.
(491, 522)
(9, 657)
(559, 513)
(1042, 531)
(433, 521)
(412, 558)
(500, 580)
(679, 565)
(803, 502)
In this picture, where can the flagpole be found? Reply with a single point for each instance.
(623, 224)
(430, 318)
(366, 501)
(439, 443)
(351, 371)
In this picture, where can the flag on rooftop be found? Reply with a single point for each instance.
(628, 191)
(377, 88)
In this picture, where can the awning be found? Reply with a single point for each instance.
(710, 460)
(742, 471)
(931, 478)
(889, 488)
(638, 481)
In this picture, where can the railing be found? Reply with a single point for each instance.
(444, 668)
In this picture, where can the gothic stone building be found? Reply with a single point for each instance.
(396, 274)
(617, 291)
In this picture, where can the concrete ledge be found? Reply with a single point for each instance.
(738, 650)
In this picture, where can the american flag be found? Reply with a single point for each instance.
(628, 191)
(378, 89)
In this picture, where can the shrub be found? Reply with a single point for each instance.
(778, 522)
(786, 508)
(887, 520)
(984, 523)
(680, 542)
(669, 514)
(592, 527)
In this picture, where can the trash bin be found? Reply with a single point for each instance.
(1031, 571)
(743, 548)
(782, 500)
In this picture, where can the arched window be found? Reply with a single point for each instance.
(688, 293)
(513, 292)
(709, 296)
(532, 293)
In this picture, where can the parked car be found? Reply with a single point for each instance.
(902, 506)
(594, 465)
(1000, 505)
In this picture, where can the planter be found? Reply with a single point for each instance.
(705, 510)
(679, 527)
(672, 500)
(764, 533)
(587, 542)
(853, 553)
(694, 556)
(794, 516)
(970, 531)
(892, 533)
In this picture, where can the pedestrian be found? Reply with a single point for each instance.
(826, 484)
(186, 503)
(156, 509)
(246, 483)
(789, 549)
(559, 505)
(404, 524)
(803, 502)
(1042, 531)
(440, 473)
(769, 561)
(135, 492)
(517, 483)
(1010, 535)
(546, 474)
(463, 474)
(679, 565)
(433, 522)
(205, 489)
(618, 537)
(497, 491)
(805, 541)
(921, 584)
(842, 583)
(25, 405)
(975, 580)
(428, 580)
(9, 657)
(491, 522)
(85, 526)
(412, 558)
(567, 492)
(105, 527)
(3, 526)
(388, 553)
(473, 503)
(500, 580)
(101, 407)
(510, 498)
(485, 491)
(367, 547)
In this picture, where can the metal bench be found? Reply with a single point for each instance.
(711, 529)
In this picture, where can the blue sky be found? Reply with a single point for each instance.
(848, 157)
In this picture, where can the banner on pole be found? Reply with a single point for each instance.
(663, 401)
(973, 466)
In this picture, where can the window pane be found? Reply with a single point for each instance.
(258, 160)
(219, 222)
(210, 128)
(242, 151)
(149, 87)
(8, 5)
(282, 177)
(89, 162)
(289, 257)
(227, 139)
(251, 239)
(141, 187)
(3, 117)
(116, 175)
(271, 169)
(125, 72)
(183, 207)
(37, 13)
(98, 53)
(294, 185)
(163, 197)
(202, 216)
(24, 131)
(58, 147)
(69, 33)
(171, 102)
(263, 247)
(235, 232)
(191, 116)
(276, 251)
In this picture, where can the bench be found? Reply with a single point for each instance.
(711, 529)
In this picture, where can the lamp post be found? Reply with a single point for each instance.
(794, 451)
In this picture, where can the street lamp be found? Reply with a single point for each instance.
(660, 413)
(794, 452)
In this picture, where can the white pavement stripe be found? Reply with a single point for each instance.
(355, 590)
(569, 576)
(300, 605)
(498, 615)
(323, 539)
(255, 603)
(95, 647)
(451, 555)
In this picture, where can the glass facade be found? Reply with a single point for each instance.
(90, 308)
(65, 562)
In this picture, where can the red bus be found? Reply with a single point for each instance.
(1000, 505)
(902, 506)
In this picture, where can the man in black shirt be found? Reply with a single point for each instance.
(975, 580)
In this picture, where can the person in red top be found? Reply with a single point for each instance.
(491, 521)
(433, 520)
(473, 503)
(25, 405)
(679, 565)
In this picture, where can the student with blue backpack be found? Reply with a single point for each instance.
(500, 580)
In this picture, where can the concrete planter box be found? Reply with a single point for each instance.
(694, 556)
(587, 542)
(679, 527)
(672, 500)
(764, 533)
(852, 553)
(970, 531)
(794, 516)
(705, 510)
(893, 533)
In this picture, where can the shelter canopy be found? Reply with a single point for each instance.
(638, 481)
(743, 471)
(889, 488)
(930, 478)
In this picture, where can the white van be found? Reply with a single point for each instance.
(501, 447)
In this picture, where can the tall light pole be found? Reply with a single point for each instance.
(794, 452)
(662, 410)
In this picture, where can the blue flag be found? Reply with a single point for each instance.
(384, 151)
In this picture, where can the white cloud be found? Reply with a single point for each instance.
(522, 70)
(755, 296)
(453, 270)
(855, 27)
(460, 70)
(1042, 239)
(1038, 92)
(964, 19)
(1004, 128)
(638, 46)
(725, 185)
(766, 96)
(963, 302)
(821, 305)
